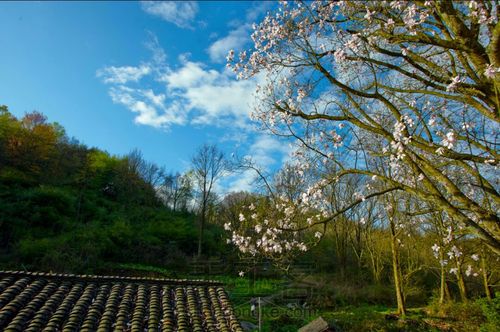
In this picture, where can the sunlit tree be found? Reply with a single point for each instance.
(404, 94)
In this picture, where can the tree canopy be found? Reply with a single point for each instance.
(403, 94)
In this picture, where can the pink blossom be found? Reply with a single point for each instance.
(491, 71)
(230, 56)
(369, 14)
(455, 81)
(340, 55)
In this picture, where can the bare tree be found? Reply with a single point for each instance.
(148, 171)
(176, 190)
(209, 165)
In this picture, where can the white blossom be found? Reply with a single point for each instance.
(455, 81)
(340, 55)
(469, 271)
(432, 121)
(449, 140)
(491, 71)
(440, 151)
(369, 14)
(230, 56)
(389, 24)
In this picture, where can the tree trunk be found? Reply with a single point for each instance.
(487, 289)
(447, 291)
(461, 283)
(375, 267)
(202, 228)
(443, 286)
(396, 268)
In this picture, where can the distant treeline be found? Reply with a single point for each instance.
(67, 207)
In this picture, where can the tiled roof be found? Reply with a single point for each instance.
(31, 301)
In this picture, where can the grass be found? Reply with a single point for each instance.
(363, 318)
(373, 318)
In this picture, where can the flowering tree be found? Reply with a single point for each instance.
(405, 94)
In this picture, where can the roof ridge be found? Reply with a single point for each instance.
(100, 278)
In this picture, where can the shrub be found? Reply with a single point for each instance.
(491, 310)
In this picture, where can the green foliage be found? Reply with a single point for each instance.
(285, 323)
(146, 269)
(464, 316)
(374, 318)
(65, 207)
(242, 288)
(491, 310)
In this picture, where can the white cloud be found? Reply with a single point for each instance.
(214, 98)
(190, 75)
(211, 97)
(180, 13)
(235, 40)
(243, 182)
(123, 74)
(151, 108)
(190, 94)
(266, 149)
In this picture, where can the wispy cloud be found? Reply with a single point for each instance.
(239, 36)
(267, 153)
(180, 13)
(123, 74)
(235, 40)
(266, 149)
(242, 182)
(150, 107)
(188, 94)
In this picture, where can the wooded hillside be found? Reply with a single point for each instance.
(67, 207)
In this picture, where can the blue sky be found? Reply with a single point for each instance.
(144, 75)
